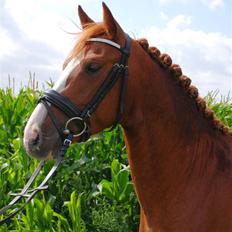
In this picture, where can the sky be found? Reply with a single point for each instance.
(36, 36)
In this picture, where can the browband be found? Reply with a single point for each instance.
(105, 41)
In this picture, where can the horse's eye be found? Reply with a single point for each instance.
(92, 67)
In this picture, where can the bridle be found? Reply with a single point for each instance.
(76, 115)
(82, 117)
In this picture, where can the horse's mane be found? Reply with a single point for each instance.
(166, 62)
(97, 29)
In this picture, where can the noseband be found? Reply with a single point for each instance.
(75, 114)
(82, 116)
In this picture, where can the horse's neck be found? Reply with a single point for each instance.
(170, 143)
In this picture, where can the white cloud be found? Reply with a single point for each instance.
(211, 4)
(180, 21)
(164, 2)
(205, 57)
(33, 38)
(41, 20)
(163, 16)
(214, 4)
(7, 45)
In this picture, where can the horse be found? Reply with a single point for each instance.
(179, 153)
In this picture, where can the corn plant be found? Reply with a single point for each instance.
(120, 187)
(74, 208)
(222, 109)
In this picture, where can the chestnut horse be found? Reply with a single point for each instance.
(180, 155)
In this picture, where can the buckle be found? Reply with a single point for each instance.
(67, 142)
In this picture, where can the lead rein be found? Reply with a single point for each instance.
(24, 193)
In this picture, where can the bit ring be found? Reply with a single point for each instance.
(76, 119)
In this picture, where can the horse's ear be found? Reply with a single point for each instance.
(112, 27)
(84, 18)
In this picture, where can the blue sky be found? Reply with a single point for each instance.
(209, 16)
(196, 33)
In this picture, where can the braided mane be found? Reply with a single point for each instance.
(166, 62)
(97, 29)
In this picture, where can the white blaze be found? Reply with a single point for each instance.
(34, 123)
(61, 83)
(39, 114)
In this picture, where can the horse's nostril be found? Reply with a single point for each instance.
(35, 141)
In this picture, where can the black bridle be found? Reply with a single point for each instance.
(82, 117)
(75, 114)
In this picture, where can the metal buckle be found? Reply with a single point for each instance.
(67, 142)
(120, 66)
(78, 119)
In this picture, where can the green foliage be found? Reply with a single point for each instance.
(120, 188)
(222, 109)
(111, 217)
(73, 201)
(74, 208)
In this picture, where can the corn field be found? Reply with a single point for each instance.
(92, 190)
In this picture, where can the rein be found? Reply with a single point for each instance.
(75, 114)
(30, 194)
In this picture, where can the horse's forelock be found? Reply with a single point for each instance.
(90, 30)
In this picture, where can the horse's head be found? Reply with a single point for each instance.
(100, 51)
